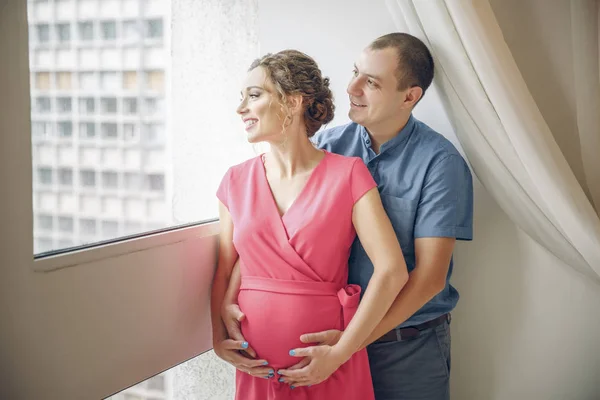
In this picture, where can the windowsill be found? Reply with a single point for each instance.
(55, 260)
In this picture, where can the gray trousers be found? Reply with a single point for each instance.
(413, 369)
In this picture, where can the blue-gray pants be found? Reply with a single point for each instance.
(413, 369)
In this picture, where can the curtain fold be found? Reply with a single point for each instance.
(506, 140)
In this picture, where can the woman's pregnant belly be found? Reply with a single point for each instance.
(274, 322)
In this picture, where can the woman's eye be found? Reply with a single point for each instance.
(253, 95)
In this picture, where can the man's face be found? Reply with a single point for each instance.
(373, 89)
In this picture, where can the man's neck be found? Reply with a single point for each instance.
(385, 132)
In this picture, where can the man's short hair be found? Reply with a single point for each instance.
(415, 63)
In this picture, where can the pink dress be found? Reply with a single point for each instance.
(294, 271)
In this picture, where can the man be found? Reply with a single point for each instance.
(426, 189)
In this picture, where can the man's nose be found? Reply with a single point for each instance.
(354, 88)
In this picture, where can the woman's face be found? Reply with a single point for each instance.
(260, 109)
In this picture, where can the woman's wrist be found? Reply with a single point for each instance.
(342, 352)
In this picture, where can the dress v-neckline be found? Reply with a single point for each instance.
(302, 191)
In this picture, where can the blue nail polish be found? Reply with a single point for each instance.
(265, 363)
(292, 352)
(271, 372)
(292, 387)
(244, 345)
(279, 373)
(280, 379)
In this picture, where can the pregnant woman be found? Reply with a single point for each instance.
(290, 216)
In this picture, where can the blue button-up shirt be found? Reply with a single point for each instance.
(426, 189)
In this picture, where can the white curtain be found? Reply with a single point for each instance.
(507, 142)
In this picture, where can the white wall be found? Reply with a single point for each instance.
(526, 327)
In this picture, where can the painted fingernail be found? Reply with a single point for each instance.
(292, 387)
(292, 352)
(271, 372)
(265, 363)
(279, 373)
(244, 345)
(280, 379)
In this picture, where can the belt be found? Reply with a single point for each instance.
(412, 332)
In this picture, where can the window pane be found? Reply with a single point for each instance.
(105, 153)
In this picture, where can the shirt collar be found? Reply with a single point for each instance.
(401, 137)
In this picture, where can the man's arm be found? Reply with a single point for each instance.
(424, 282)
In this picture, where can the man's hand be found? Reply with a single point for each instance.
(329, 337)
(319, 363)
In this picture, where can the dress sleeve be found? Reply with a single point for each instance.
(361, 180)
(223, 190)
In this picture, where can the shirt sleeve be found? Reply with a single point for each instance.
(445, 208)
(361, 180)
(223, 190)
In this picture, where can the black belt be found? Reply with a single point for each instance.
(412, 332)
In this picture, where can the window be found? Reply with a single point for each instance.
(152, 133)
(41, 130)
(110, 229)
(129, 132)
(110, 180)
(88, 178)
(43, 33)
(155, 80)
(63, 80)
(43, 105)
(108, 105)
(109, 30)
(108, 81)
(65, 129)
(86, 105)
(65, 176)
(154, 28)
(156, 182)
(45, 222)
(109, 130)
(131, 31)
(63, 33)
(87, 130)
(86, 31)
(42, 81)
(45, 176)
(130, 105)
(87, 226)
(88, 81)
(65, 224)
(133, 181)
(130, 80)
(63, 105)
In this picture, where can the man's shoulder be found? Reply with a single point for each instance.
(433, 145)
(338, 135)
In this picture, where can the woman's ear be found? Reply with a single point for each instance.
(295, 104)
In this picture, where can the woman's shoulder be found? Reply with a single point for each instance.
(344, 161)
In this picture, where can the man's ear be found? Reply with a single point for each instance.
(412, 96)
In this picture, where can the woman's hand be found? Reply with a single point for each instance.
(230, 351)
(319, 363)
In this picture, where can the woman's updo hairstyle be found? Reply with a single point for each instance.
(294, 73)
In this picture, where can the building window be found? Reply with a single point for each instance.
(108, 105)
(65, 129)
(152, 133)
(42, 81)
(130, 105)
(133, 181)
(45, 222)
(63, 33)
(63, 80)
(63, 105)
(43, 33)
(131, 31)
(87, 130)
(88, 81)
(129, 132)
(110, 229)
(108, 81)
(154, 28)
(110, 180)
(156, 182)
(43, 105)
(45, 176)
(65, 224)
(109, 30)
(86, 105)
(129, 80)
(155, 80)
(65, 176)
(87, 226)
(42, 130)
(86, 31)
(108, 130)
(87, 178)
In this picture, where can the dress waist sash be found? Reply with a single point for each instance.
(348, 296)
